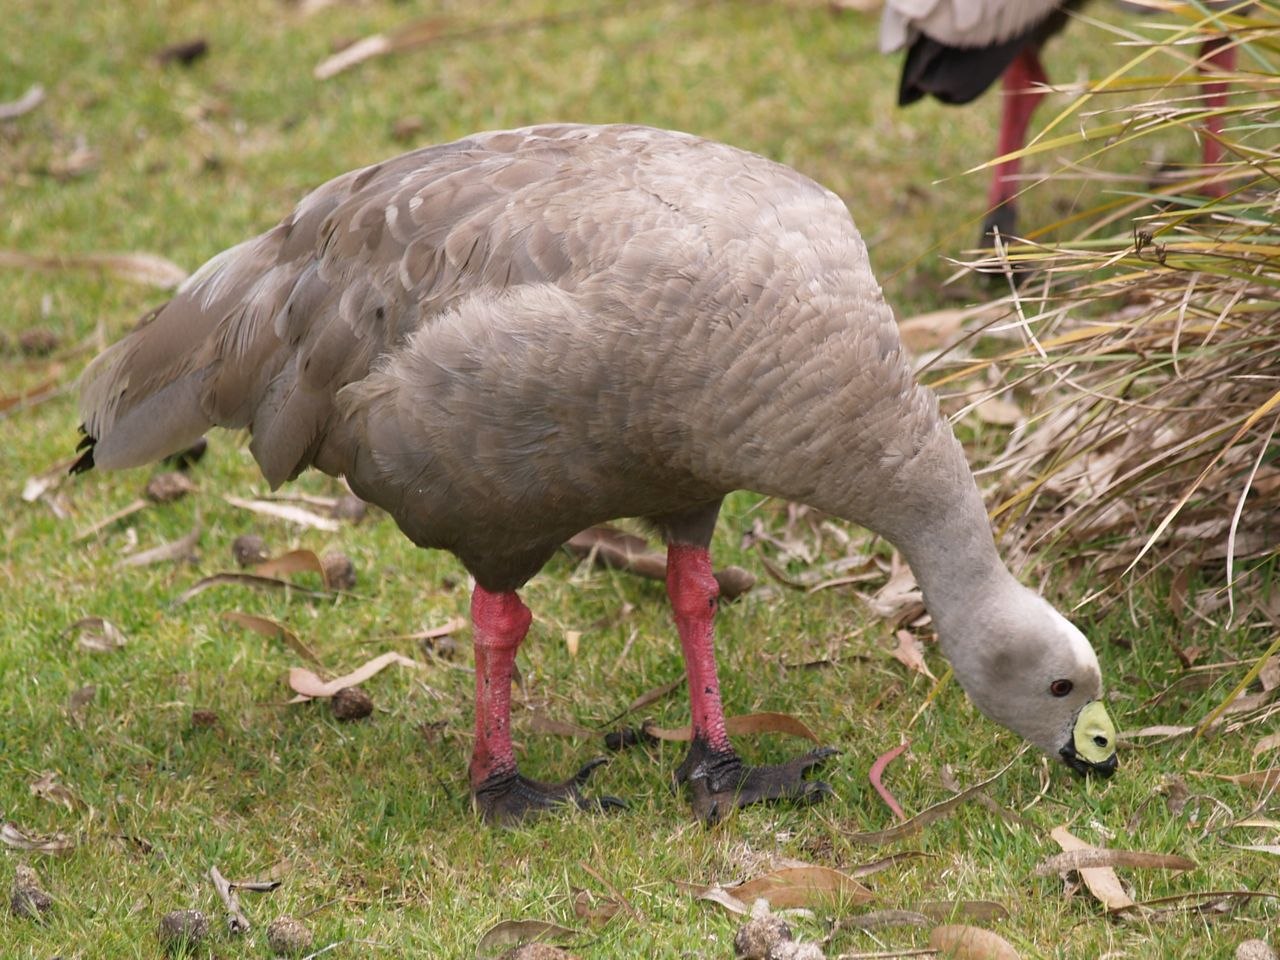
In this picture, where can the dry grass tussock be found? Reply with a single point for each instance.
(1151, 338)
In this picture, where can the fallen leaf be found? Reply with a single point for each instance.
(308, 686)
(47, 787)
(539, 722)
(181, 549)
(1269, 742)
(746, 724)
(650, 696)
(78, 702)
(998, 412)
(594, 909)
(910, 653)
(509, 932)
(899, 600)
(274, 630)
(284, 511)
(959, 942)
(11, 835)
(1261, 779)
(287, 564)
(49, 479)
(1164, 731)
(1088, 857)
(807, 886)
(243, 580)
(875, 866)
(616, 549)
(105, 522)
(1269, 675)
(13, 109)
(1273, 848)
(30, 397)
(938, 328)
(1101, 881)
(986, 911)
(930, 814)
(146, 268)
(96, 634)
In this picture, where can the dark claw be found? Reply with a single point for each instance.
(718, 780)
(510, 798)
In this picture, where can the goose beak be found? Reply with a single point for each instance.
(1092, 747)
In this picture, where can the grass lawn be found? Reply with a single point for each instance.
(177, 750)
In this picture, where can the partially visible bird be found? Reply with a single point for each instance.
(506, 339)
(957, 48)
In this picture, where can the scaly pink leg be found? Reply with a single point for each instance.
(1219, 54)
(1021, 95)
(717, 778)
(501, 794)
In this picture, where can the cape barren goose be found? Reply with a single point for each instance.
(506, 339)
(957, 48)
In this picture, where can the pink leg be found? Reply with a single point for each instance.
(502, 795)
(693, 590)
(1218, 53)
(1021, 97)
(717, 778)
(500, 622)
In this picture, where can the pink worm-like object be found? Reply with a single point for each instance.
(877, 770)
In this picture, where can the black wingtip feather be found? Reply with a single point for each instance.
(85, 462)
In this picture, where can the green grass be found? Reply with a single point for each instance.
(373, 818)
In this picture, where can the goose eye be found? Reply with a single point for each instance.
(1060, 688)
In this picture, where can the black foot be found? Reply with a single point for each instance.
(509, 798)
(719, 781)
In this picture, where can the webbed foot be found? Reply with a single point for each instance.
(718, 780)
(510, 798)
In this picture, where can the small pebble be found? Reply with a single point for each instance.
(38, 342)
(249, 549)
(1255, 950)
(350, 508)
(339, 571)
(168, 487)
(790, 950)
(351, 703)
(182, 930)
(288, 935)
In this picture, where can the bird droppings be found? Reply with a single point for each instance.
(249, 550)
(1255, 950)
(537, 951)
(29, 900)
(791, 950)
(182, 931)
(288, 935)
(168, 487)
(351, 703)
(339, 571)
(759, 935)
